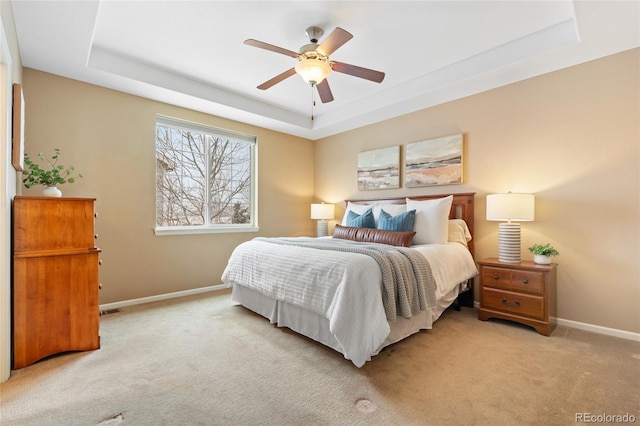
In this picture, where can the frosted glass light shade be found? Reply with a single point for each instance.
(313, 70)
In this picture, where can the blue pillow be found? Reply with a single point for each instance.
(402, 222)
(364, 220)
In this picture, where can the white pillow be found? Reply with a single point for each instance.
(459, 232)
(356, 208)
(432, 220)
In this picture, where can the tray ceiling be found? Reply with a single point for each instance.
(191, 54)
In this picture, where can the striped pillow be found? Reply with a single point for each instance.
(402, 222)
(364, 220)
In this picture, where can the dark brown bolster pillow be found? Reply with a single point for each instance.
(371, 235)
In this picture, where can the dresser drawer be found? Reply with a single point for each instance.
(513, 280)
(515, 303)
(34, 219)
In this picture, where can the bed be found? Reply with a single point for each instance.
(363, 288)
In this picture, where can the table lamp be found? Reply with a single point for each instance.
(510, 207)
(322, 212)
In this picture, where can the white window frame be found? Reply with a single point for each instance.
(215, 228)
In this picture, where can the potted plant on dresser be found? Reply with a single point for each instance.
(542, 254)
(51, 176)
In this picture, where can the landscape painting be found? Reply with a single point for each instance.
(434, 162)
(379, 169)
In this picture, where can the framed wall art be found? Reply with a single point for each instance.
(379, 169)
(434, 161)
(17, 131)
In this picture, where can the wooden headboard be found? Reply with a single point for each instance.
(462, 207)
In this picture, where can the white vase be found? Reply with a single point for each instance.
(541, 259)
(52, 191)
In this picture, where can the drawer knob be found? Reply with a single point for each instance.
(525, 281)
(495, 277)
(513, 305)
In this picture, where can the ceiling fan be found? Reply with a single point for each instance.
(313, 61)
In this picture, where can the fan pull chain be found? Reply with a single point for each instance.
(313, 100)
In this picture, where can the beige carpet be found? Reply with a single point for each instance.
(203, 361)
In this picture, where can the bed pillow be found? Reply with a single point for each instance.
(402, 222)
(392, 209)
(357, 208)
(364, 220)
(432, 220)
(459, 232)
(371, 235)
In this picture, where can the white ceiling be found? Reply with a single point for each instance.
(191, 53)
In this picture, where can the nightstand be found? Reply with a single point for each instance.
(523, 292)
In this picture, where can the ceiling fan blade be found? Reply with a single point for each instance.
(335, 40)
(271, 47)
(324, 91)
(356, 71)
(277, 79)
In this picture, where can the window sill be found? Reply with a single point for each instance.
(207, 230)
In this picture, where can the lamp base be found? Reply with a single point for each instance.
(509, 243)
(323, 228)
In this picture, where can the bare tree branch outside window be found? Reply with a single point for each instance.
(202, 178)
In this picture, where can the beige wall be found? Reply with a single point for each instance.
(572, 138)
(110, 138)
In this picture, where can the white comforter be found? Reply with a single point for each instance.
(345, 288)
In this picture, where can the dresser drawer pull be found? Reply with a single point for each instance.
(525, 281)
(495, 277)
(513, 305)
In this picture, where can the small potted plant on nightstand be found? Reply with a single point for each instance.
(542, 254)
(55, 175)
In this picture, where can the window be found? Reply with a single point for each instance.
(205, 179)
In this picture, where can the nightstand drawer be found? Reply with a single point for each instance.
(523, 292)
(515, 303)
(514, 280)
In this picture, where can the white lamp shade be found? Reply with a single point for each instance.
(322, 211)
(313, 70)
(510, 206)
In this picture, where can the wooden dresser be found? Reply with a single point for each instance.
(55, 277)
(524, 292)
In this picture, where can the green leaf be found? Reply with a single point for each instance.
(34, 174)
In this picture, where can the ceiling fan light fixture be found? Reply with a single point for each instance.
(313, 71)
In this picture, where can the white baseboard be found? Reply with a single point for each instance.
(600, 330)
(132, 302)
(567, 323)
(593, 328)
